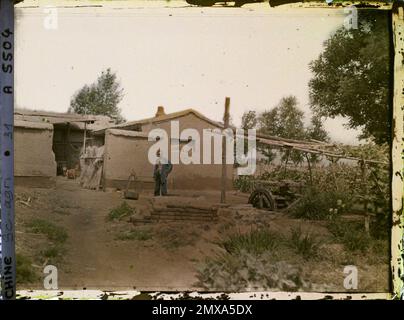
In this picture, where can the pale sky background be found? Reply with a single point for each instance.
(174, 56)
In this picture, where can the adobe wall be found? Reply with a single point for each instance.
(128, 150)
(125, 152)
(34, 161)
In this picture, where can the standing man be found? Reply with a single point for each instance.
(162, 168)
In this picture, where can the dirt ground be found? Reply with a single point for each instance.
(168, 257)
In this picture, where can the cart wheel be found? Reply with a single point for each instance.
(262, 199)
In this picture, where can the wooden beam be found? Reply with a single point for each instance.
(226, 120)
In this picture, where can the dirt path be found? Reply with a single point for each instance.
(95, 259)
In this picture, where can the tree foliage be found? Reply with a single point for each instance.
(285, 120)
(351, 77)
(100, 98)
(249, 120)
(316, 131)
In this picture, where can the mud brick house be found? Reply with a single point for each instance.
(45, 142)
(126, 150)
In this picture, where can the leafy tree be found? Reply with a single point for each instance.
(316, 131)
(101, 97)
(268, 122)
(285, 120)
(290, 119)
(352, 76)
(249, 120)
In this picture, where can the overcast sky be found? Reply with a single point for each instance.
(176, 57)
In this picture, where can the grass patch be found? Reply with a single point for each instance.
(172, 241)
(53, 232)
(120, 212)
(356, 241)
(25, 272)
(172, 238)
(380, 247)
(256, 242)
(380, 252)
(304, 244)
(352, 235)
(139, 235)
(53, 253)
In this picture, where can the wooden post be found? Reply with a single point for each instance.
(226, 119)
(68, 148)
(309, 165)
(85, 136)
(286, 162)
(366, 195)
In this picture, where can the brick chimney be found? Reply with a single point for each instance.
(160, 111)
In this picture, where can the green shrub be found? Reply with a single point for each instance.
(304, 244)
(53, 232)
(25, 272)
(120, 212)
(318, 204)
(256, 242)
(244, 183)
(241, 272)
